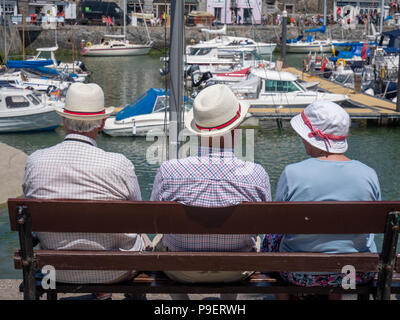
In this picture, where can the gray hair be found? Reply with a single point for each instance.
(82, 125)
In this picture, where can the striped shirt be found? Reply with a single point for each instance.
(77, 169)
(214, 178)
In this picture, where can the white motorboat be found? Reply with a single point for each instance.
(22, 110)
(222, 41)
(27, 80)
(268, 88)
(146, 113)
(216, 60)
(310, 46)
(115, 45)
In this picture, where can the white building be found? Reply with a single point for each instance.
(11, 7)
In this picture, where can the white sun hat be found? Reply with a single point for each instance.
(216, 111)
(324, 125)
(84, 101)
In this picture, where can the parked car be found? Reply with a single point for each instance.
(93, 12)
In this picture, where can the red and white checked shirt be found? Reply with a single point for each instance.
(214, 178)
(77, 169)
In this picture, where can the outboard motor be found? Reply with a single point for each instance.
(81, 65)
(164, 71)
(196, 75)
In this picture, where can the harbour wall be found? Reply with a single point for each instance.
(36, 36)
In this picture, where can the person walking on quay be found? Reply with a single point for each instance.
(328, 175)
(77, 169)
(213, 178)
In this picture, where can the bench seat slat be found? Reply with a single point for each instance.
(173, 217)
(191, 261)
(157, 282)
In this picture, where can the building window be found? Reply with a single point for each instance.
(247, 15)
(217, 14)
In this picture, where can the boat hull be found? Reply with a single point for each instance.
(93, 52)
(299, 100)
(308, 48)
(47, 120)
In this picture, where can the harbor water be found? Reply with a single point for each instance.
(125, 78)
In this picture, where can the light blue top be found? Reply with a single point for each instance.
(323, 180)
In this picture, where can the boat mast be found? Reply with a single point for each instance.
(5, 32)
(176, 74)
(125, 20)
(382, 16)
(324, 12)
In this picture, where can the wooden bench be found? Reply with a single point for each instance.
(27, 215)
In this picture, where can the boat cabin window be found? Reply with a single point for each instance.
(199, 51)
(13, 102)
(46, 55)
(160, 104)
(33, 99)
(280, 86)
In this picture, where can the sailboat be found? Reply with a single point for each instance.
(117, 45)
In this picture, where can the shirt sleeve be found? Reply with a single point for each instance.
(132, 182)
(156, 192)
(282, 188)
(267, 189)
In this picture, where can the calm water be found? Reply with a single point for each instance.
(123, 79)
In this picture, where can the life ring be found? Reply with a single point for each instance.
(341, 62)
(88, 44)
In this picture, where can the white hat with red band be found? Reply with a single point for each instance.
(216, 111)
(324, 125)
(84, 101)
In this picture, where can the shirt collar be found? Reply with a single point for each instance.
(216, 152)
(81, 137)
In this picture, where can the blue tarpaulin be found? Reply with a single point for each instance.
(19, 64)
(322, 29)
(142, 105)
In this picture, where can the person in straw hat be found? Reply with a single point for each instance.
(77, 169)
(328, 175)
(212, 178)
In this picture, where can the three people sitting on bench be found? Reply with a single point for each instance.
(77, 169)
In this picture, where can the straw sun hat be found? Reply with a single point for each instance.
(84, 102)
(324, 125)
(216, 111)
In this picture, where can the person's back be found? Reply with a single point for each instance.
(214, 178)
(77, 169)
(322, 180)
(328, 175)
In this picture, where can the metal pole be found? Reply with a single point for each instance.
(125, 20)
(382, 16)
(324, 12)
(5, 32)
(284, 23)
(176, 74)
(225, 11)
(398, 86)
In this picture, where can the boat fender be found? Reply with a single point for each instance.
(341, 62)
(88, 44)
(370, 92)
(383, 73)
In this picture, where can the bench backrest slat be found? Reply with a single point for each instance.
(192, 261)
(172, 217)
